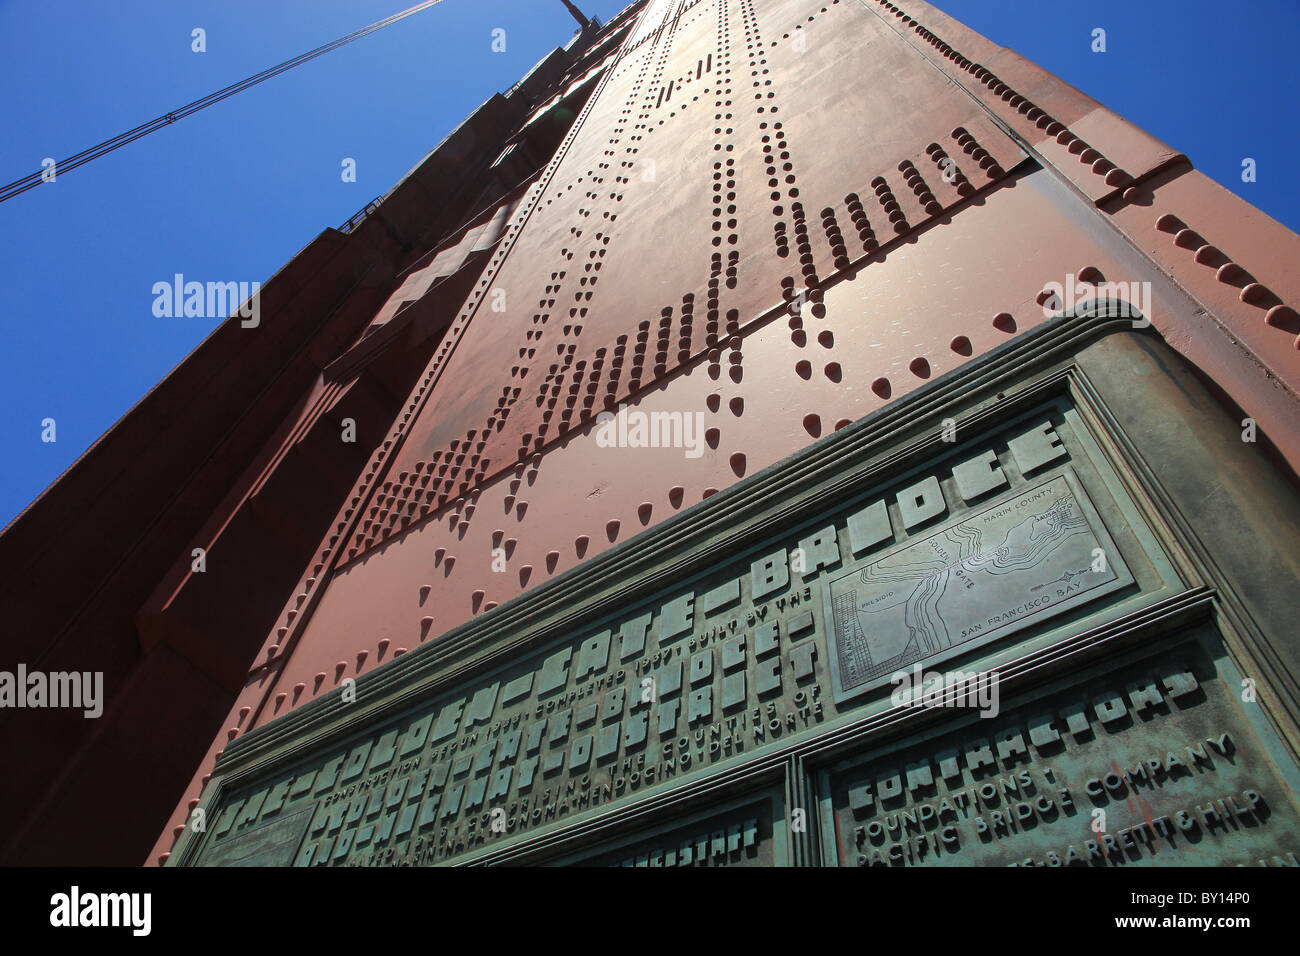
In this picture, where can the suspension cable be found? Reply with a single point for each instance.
(117, 142)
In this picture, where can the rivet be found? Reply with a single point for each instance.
(1253, 292)
(1170, 223)
(1280, 315)
(1228, 271)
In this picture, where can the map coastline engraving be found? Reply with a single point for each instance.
(1027, 555)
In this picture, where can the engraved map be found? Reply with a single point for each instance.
(1039, 551)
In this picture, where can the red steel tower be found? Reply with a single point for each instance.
(777, 235)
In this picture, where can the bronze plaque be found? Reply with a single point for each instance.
(1157, 764)
(1027, 556)
(270, 844)
(743, 836)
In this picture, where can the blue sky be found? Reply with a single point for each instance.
(235, 191)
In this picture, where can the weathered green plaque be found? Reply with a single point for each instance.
(743, 836)
(1155, 763)
(269, 844)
